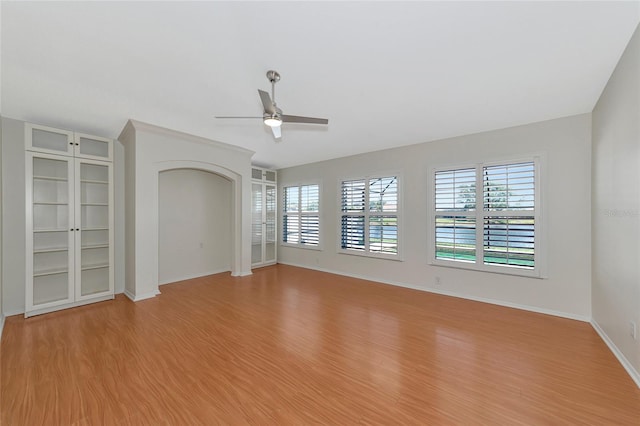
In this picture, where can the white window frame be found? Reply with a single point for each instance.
(284, 213)
(366, 214)
(540, 266)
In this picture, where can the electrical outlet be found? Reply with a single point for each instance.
(438, 282)
(633, 330)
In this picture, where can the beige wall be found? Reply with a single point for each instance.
(616, 207)
(1, 309)
(194, 225)
(566, 189)
(13, 216)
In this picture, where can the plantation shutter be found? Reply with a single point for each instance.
(301, 215)
(509, 214)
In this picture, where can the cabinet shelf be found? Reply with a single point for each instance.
(95, 266)
(100, 182)
(95, 204)
(95, 246)
(55, 178)
(50, 250)
(95, 229)
(53, 271)
(51, 230)
(49, 203)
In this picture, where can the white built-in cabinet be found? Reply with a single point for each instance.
(263, 217)
(69, 219)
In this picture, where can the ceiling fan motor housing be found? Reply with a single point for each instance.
(273, 76)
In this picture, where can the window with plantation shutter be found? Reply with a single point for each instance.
(493, 229)
(369, 216)
(455, 205)
(301, 215)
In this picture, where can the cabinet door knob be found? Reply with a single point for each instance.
(71, 229)
(77, 229)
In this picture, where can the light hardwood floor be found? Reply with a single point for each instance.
(294, 346)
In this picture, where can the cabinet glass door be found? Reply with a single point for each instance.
(48, 139)
(52, 236)
(93, 147)
(256, 223)
(270, 223)
(93, 217)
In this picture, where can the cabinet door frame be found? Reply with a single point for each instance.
(29, 260)
(78, 225)
(263, 223)
(29, 128)
(77, 145)
(265, 187)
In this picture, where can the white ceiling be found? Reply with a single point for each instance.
(384, 73)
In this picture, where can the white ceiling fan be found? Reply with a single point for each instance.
(272, 115)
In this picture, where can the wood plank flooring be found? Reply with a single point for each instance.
(290, 346)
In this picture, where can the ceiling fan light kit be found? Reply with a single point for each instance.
(272, 121)
(272, 115)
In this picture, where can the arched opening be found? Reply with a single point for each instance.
(195, 235)
(234, 248)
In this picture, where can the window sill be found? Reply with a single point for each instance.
(396, 258)
(502, 270)
(301, 246)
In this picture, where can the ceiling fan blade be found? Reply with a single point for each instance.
(219, 116)
(269, 108)
(277, 133)
(298, 119)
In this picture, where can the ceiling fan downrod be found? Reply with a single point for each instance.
(273, 77)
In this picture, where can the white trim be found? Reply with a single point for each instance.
(243, 273)
(151, 128)
(635, 375)
(197, 275)
(1, 325)
(12, 313)
(301, 246)
(529, 308)
(135, 298)
(67, 306)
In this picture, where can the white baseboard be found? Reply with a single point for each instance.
(453, 294)
(68, 305)
(635, 375)
(242, 274)
(1, 326)
(139, 297)
(15, 312)
(198, 275)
